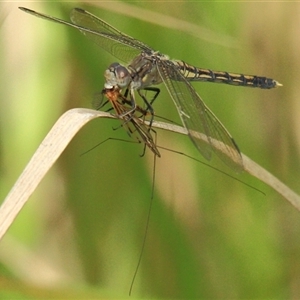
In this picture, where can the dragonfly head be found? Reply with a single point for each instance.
(116, 75)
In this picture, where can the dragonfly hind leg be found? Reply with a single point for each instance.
(149, 107)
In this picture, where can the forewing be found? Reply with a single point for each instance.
(106, 36)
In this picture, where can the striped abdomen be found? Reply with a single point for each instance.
(192, 73)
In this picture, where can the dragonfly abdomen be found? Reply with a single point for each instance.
(192, 73)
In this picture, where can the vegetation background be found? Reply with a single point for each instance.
(209, 236)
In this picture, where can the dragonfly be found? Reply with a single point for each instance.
(146, 67)
(134, 124)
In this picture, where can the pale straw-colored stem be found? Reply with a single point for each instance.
(60, 136)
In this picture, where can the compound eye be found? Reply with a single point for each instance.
(123, 76)
(122, 72)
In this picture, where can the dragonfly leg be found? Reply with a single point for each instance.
(156, 93)
(149, 104)
(125, 100)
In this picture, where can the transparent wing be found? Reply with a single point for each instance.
(205, 130)
(106, 36)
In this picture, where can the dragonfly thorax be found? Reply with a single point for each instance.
(144, 72)
(117, 75)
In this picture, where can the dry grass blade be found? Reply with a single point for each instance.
(45, 156)
(60, 136)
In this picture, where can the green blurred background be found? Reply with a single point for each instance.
(81, 233)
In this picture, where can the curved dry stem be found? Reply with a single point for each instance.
(45, 156)
(60, 136)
